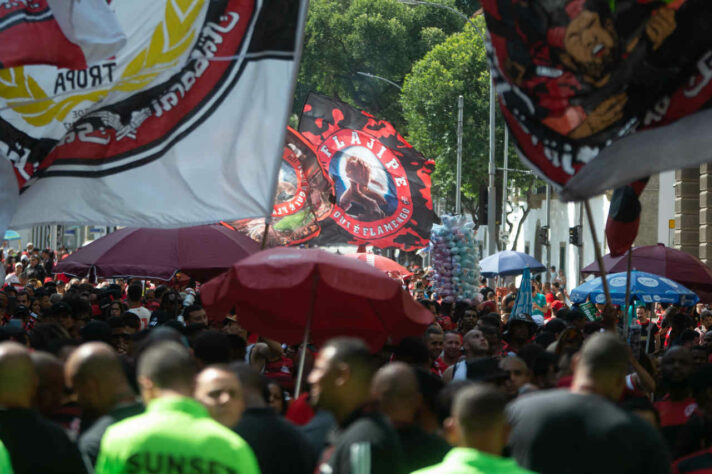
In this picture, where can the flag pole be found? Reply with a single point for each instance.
(597, 250)
(264, 236)
(627, 292)
(307, 330)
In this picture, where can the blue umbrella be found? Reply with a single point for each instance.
(11, 235)
(644, 287)
(509, 262)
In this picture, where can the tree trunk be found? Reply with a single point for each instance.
(519, 227)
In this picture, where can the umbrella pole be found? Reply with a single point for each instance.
(307, 330)
(626, 317)
(264, 236)
(597, 250)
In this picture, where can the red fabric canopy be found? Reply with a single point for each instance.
(274, 292)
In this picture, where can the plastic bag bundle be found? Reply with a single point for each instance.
(453, 259)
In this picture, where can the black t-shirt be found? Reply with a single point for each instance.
(421, 449)
(644, 329)
(90, 440)
(278, 446)
(366, 442)
(559, 432)
(36, 445)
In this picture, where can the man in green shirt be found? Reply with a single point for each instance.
(479, 429)
(176, 434)
(5, 466)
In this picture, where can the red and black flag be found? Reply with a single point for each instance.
(601, 93)
(624, 217)
(382, 184)
(58, 32)
(302, 199)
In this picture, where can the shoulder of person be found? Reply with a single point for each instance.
(371, 427)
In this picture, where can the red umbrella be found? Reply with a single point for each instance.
(293, 295)
(386, 265)
(201, 252)
(664, 261)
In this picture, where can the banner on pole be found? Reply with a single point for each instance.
(598, 94)
(303, 198)
(382, 184)
(177, 129)
(523, 302)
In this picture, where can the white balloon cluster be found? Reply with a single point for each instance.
(453, 259)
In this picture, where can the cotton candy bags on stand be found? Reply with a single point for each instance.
(453, 259)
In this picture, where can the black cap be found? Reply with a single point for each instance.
(20, 310)
(575, 315)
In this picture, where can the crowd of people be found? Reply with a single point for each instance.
(132, 376)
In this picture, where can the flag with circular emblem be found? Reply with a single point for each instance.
(303, 198)
(381, 183)
(178, 128)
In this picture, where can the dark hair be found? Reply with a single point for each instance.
(542, 362)
(687, 335)
(134, 292)
(354, 353)
(529, 352)
(131, 320)
(412, 350)
(168, 365)
(250, 379)
(460, 308)
(266, 394)
(493, 319)
(545, 338)
(44, 334)
(433, 329)
(479, 407)
(116, 322)
(96, 330)
(189, 309)
(444, 399)
(78, 306)
(429, 386)
(212, 347)
(640, 404)
(555, 325)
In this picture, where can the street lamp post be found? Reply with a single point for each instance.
(491, 190)
(458, 179)
(373, 76)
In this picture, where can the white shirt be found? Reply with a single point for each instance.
(143, 314)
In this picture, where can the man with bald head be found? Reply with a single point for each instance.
(475, 345)
(95, 373)
(395, 386)
(34, 444)
(558, 431)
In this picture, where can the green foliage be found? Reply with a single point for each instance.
(380, 37)
(429, 100)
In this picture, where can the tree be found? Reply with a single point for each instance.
(429, 99)
(380, 37)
